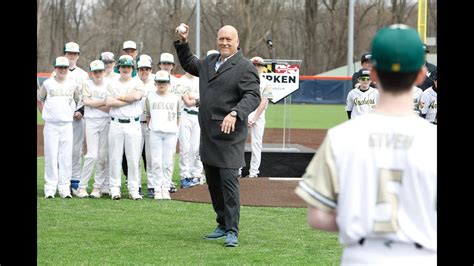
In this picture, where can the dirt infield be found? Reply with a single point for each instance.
(255, 191)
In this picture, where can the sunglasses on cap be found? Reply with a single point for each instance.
(364, 78)
(162, 81)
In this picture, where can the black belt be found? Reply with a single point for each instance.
(191, 112)
(143, 122)
(124, 120)
(389, 242)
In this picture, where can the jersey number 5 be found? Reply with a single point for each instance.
(384, 196)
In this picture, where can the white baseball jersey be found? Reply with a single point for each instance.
(416, 92)
(189, 85)
(361, 102)
(95, 92)
(164, 111)
(60, 100)
(79, 76)
(429, 104)
(119, 87)
(382, 185)
(174, 86)
(148, 87)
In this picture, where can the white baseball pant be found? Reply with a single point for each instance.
(128, 136)
(256, 134)
(377, 252)
(146, 142)
(190, 164)
(97, 138)
(78, 144)
(57, 157)
(163, 147)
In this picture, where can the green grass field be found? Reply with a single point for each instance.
(147, 232)
(310, 116)
(321, 116)
(105, 232)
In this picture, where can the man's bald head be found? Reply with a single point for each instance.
(227, 40)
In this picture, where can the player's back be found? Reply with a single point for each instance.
(387, 172)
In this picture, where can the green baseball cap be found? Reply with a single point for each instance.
(397, 48)
(125, 60)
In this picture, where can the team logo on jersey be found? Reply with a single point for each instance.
(364, 101)
(433, 105)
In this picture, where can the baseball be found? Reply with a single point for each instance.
(181, 28)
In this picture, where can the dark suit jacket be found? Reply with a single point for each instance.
(235, 86)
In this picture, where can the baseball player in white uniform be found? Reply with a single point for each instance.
(416, 92)
(256, 120)
(379, 192)
(429, 100)
(167, 63)
(71, 51)
(144, 66)
(163, 111)
(190, 165)
(125, 134)
(363, 99)
(97, 120)
(109, 62)
(58, 98)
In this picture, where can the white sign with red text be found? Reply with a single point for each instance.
(285, 80)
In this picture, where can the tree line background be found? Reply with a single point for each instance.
(312, 30)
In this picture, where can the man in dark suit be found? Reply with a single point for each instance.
(229, 92)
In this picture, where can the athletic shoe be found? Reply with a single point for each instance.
(231, 240)
(116, 197)
(172, 188)
(74, 184)
(82, 193)
(165, 195)
(189, 182)
(66, 196)
(140, 191)
(95, 193)
(251, 176)
(158, 195)
(49, 196)
(218, 233)
(135, 196)
(195, 181)
(202, 180)
(151, 193)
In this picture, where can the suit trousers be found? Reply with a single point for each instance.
(224, 188)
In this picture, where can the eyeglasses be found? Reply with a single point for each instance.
(364, 78)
